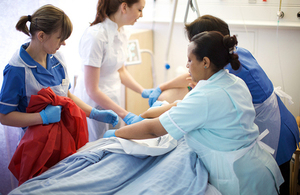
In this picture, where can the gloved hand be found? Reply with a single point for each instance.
(137, 119)
(154, 95)
(130, 118)
(109, 133)
(51, 114)
(106, 116)
(147, 92)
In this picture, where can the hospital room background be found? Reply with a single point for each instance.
(269, 29)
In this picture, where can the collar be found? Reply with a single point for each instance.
(30, 62)
(214, 77)
(112, 27)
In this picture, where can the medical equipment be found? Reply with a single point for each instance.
(134, 56)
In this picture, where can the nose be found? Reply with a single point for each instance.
(141, 14)
(63, 43)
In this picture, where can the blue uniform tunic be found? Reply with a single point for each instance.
(13, 92)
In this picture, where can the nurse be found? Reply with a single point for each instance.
(271, 113)
(37, 65)
(102, 49)
(217, 120)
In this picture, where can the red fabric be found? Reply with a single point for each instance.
(42, 146)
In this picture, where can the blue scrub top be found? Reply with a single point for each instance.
(13, 92)
(253, 75)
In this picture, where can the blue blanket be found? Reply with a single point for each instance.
(99, 171)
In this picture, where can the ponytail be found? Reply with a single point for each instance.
(21, 25)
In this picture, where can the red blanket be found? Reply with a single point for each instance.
(42, 146)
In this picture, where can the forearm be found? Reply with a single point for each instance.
(146, 129)
(92, 76)
(105, 102)
(85, 107)
(157, 111)
(20, 119)
(129, 81)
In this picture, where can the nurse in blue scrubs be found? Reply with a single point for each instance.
(216, 119)
(38, 65)
(271, 113)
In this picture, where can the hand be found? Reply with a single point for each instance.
(154, 95)
(109, 133)
(106, 116)
(192, 83)
(130, 118)
(51, 114)
(147, 92)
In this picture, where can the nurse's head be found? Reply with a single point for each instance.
(122, 12)
(49, 20)
(209, 52)
(206, 23)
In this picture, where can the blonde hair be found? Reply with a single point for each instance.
(48, 19)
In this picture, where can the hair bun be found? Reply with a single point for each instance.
(230, 42)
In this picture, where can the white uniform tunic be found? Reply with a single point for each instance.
(217, 120)
(102, 46)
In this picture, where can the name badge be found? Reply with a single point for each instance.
(65, 82)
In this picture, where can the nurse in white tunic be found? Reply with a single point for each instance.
(102, 50)
(217, 120)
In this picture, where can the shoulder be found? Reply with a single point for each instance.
(14, 71)
(96, 32)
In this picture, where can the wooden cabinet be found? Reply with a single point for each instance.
(142, 73)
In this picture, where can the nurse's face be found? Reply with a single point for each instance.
(196, 68)
(135, 12)
(53, 42)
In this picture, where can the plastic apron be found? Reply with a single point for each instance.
(268, 117)
(32, 86)
(220, 164)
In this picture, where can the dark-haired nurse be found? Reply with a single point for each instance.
(216, 119)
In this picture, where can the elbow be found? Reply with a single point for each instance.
(2, 119)
(90, 92)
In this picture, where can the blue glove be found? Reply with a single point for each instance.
(137, 119)
(51, 114)
(147, 92)
(129, 118)
(154, 95)
(109, 133)
(106, 116)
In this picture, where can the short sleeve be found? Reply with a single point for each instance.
(13, 90)
(91, 47)
(189, 114)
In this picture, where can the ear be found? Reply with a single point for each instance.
(206, 62)
(123, 7)
(41, 36)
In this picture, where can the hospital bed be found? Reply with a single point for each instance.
(118, 166)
